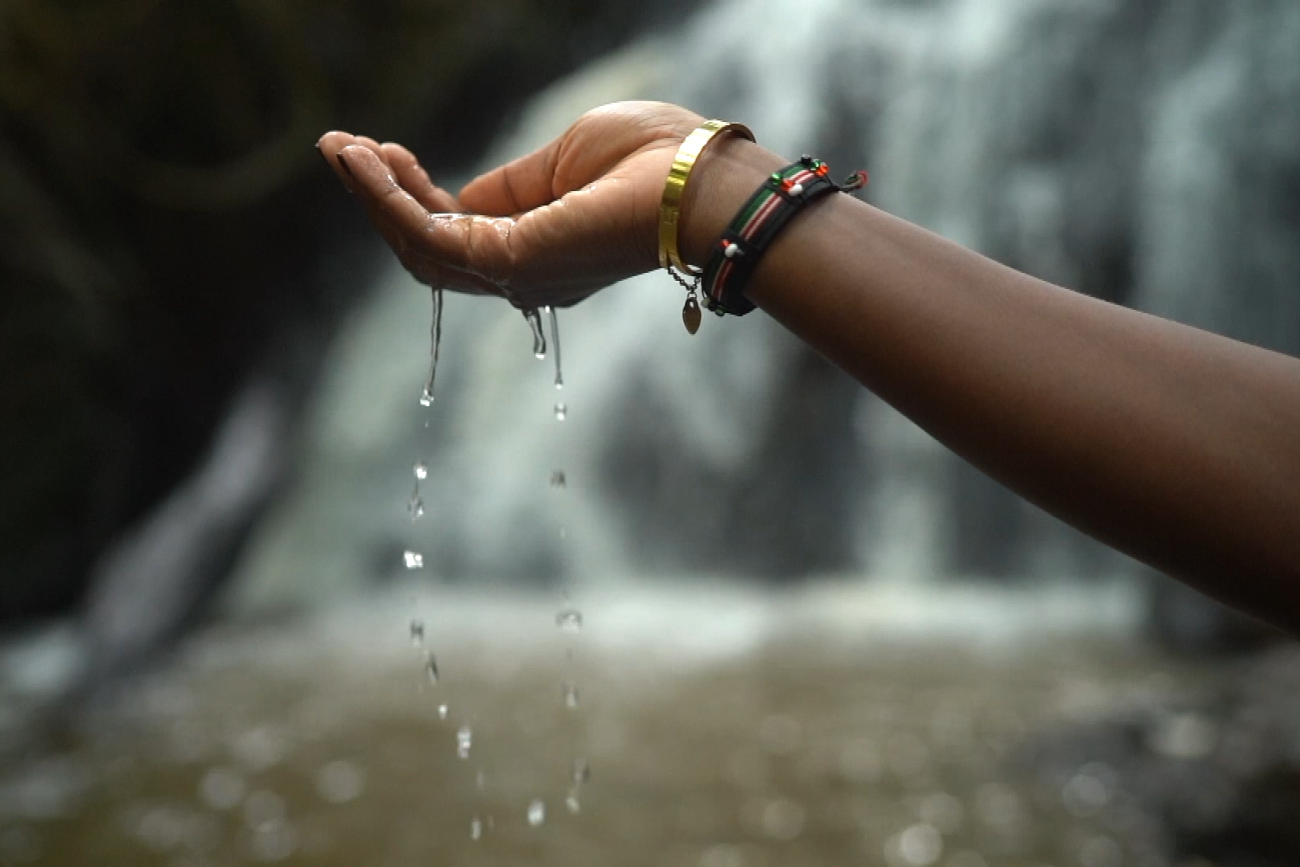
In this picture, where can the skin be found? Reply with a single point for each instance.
(1174, 445)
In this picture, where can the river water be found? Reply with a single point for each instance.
(724, 727)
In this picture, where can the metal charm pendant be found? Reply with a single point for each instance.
(691, 314)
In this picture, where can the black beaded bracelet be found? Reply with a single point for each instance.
(781, 197)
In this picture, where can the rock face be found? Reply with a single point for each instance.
(1141, 152)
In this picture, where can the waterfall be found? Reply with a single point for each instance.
(1138, 151)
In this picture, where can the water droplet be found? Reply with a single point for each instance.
(273, 841)
(783, 819)
(572, 802)
(339, 782)
(222, 788)
(476, 828)
(413, 560)
(421, 470)
(417, 633)
(570, 694)
(570, 620)
(264, 806)
(442, 711)
(464, 740)
(581, 772)
(561, 412)
(161, 828)
(480, 780)
(536, 812)
(558, 479)
(426, 400)
(431, 667)
(919, 845)
(415, 507)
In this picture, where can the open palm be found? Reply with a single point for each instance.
(551, 227)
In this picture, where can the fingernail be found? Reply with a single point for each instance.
(344, 164)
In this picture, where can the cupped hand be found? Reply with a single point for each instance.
(549, 228)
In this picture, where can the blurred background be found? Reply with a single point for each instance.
(709, 604)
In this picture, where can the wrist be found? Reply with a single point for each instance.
(724, 178)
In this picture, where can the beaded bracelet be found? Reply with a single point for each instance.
(781, 197)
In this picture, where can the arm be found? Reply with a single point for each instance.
(1174, 445)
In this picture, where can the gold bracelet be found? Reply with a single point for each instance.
(670, 206)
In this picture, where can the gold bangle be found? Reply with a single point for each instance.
(670, 206)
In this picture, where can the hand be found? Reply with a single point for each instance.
(551, 228)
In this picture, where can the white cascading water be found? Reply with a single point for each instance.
(1013, 126)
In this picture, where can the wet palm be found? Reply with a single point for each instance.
(551, 227)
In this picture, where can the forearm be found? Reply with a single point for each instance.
(1177, 446)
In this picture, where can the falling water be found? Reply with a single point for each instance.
(415, 505)
(555, 345)
(431, 667)
(569, 619)
(539, 336)
(435, 343)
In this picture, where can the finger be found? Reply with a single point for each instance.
(373, 146)
(476, 245)
(329, 146)
(519, 185)
(415, 180)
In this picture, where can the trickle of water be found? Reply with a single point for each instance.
(558, 479)
(480, 781)
(555, 344)
(476, 828)
(417, 633)
(421, 470)
(572, 802)
(415, 506)
(413, 560)
(464, 740)
(570, 690)
(442, 711)
(431, 667)
(435, 342)
(570, 620)
(581, 772)
(561, 412)
(539, 336)
(536, 812)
